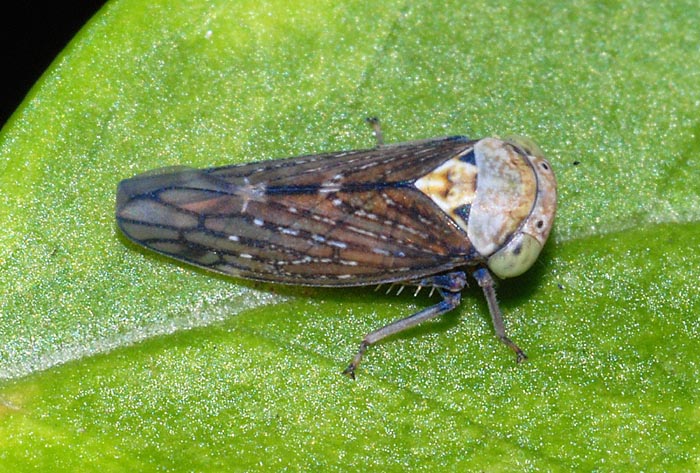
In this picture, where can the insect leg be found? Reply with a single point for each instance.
(452, 282)
(483, 277)
(448, 285)
(377, 128)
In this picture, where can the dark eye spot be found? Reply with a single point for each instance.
(540, 224)
(544, 166)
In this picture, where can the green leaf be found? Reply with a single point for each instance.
(112, 358)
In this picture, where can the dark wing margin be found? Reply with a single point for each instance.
(338, 219)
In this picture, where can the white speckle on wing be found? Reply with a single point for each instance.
(288, 231)
(328, 187)
(337, 244)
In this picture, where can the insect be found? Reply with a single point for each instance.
(420, 213)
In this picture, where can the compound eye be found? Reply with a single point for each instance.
(516, 257)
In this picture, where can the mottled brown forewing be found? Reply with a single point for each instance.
(336, 219)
